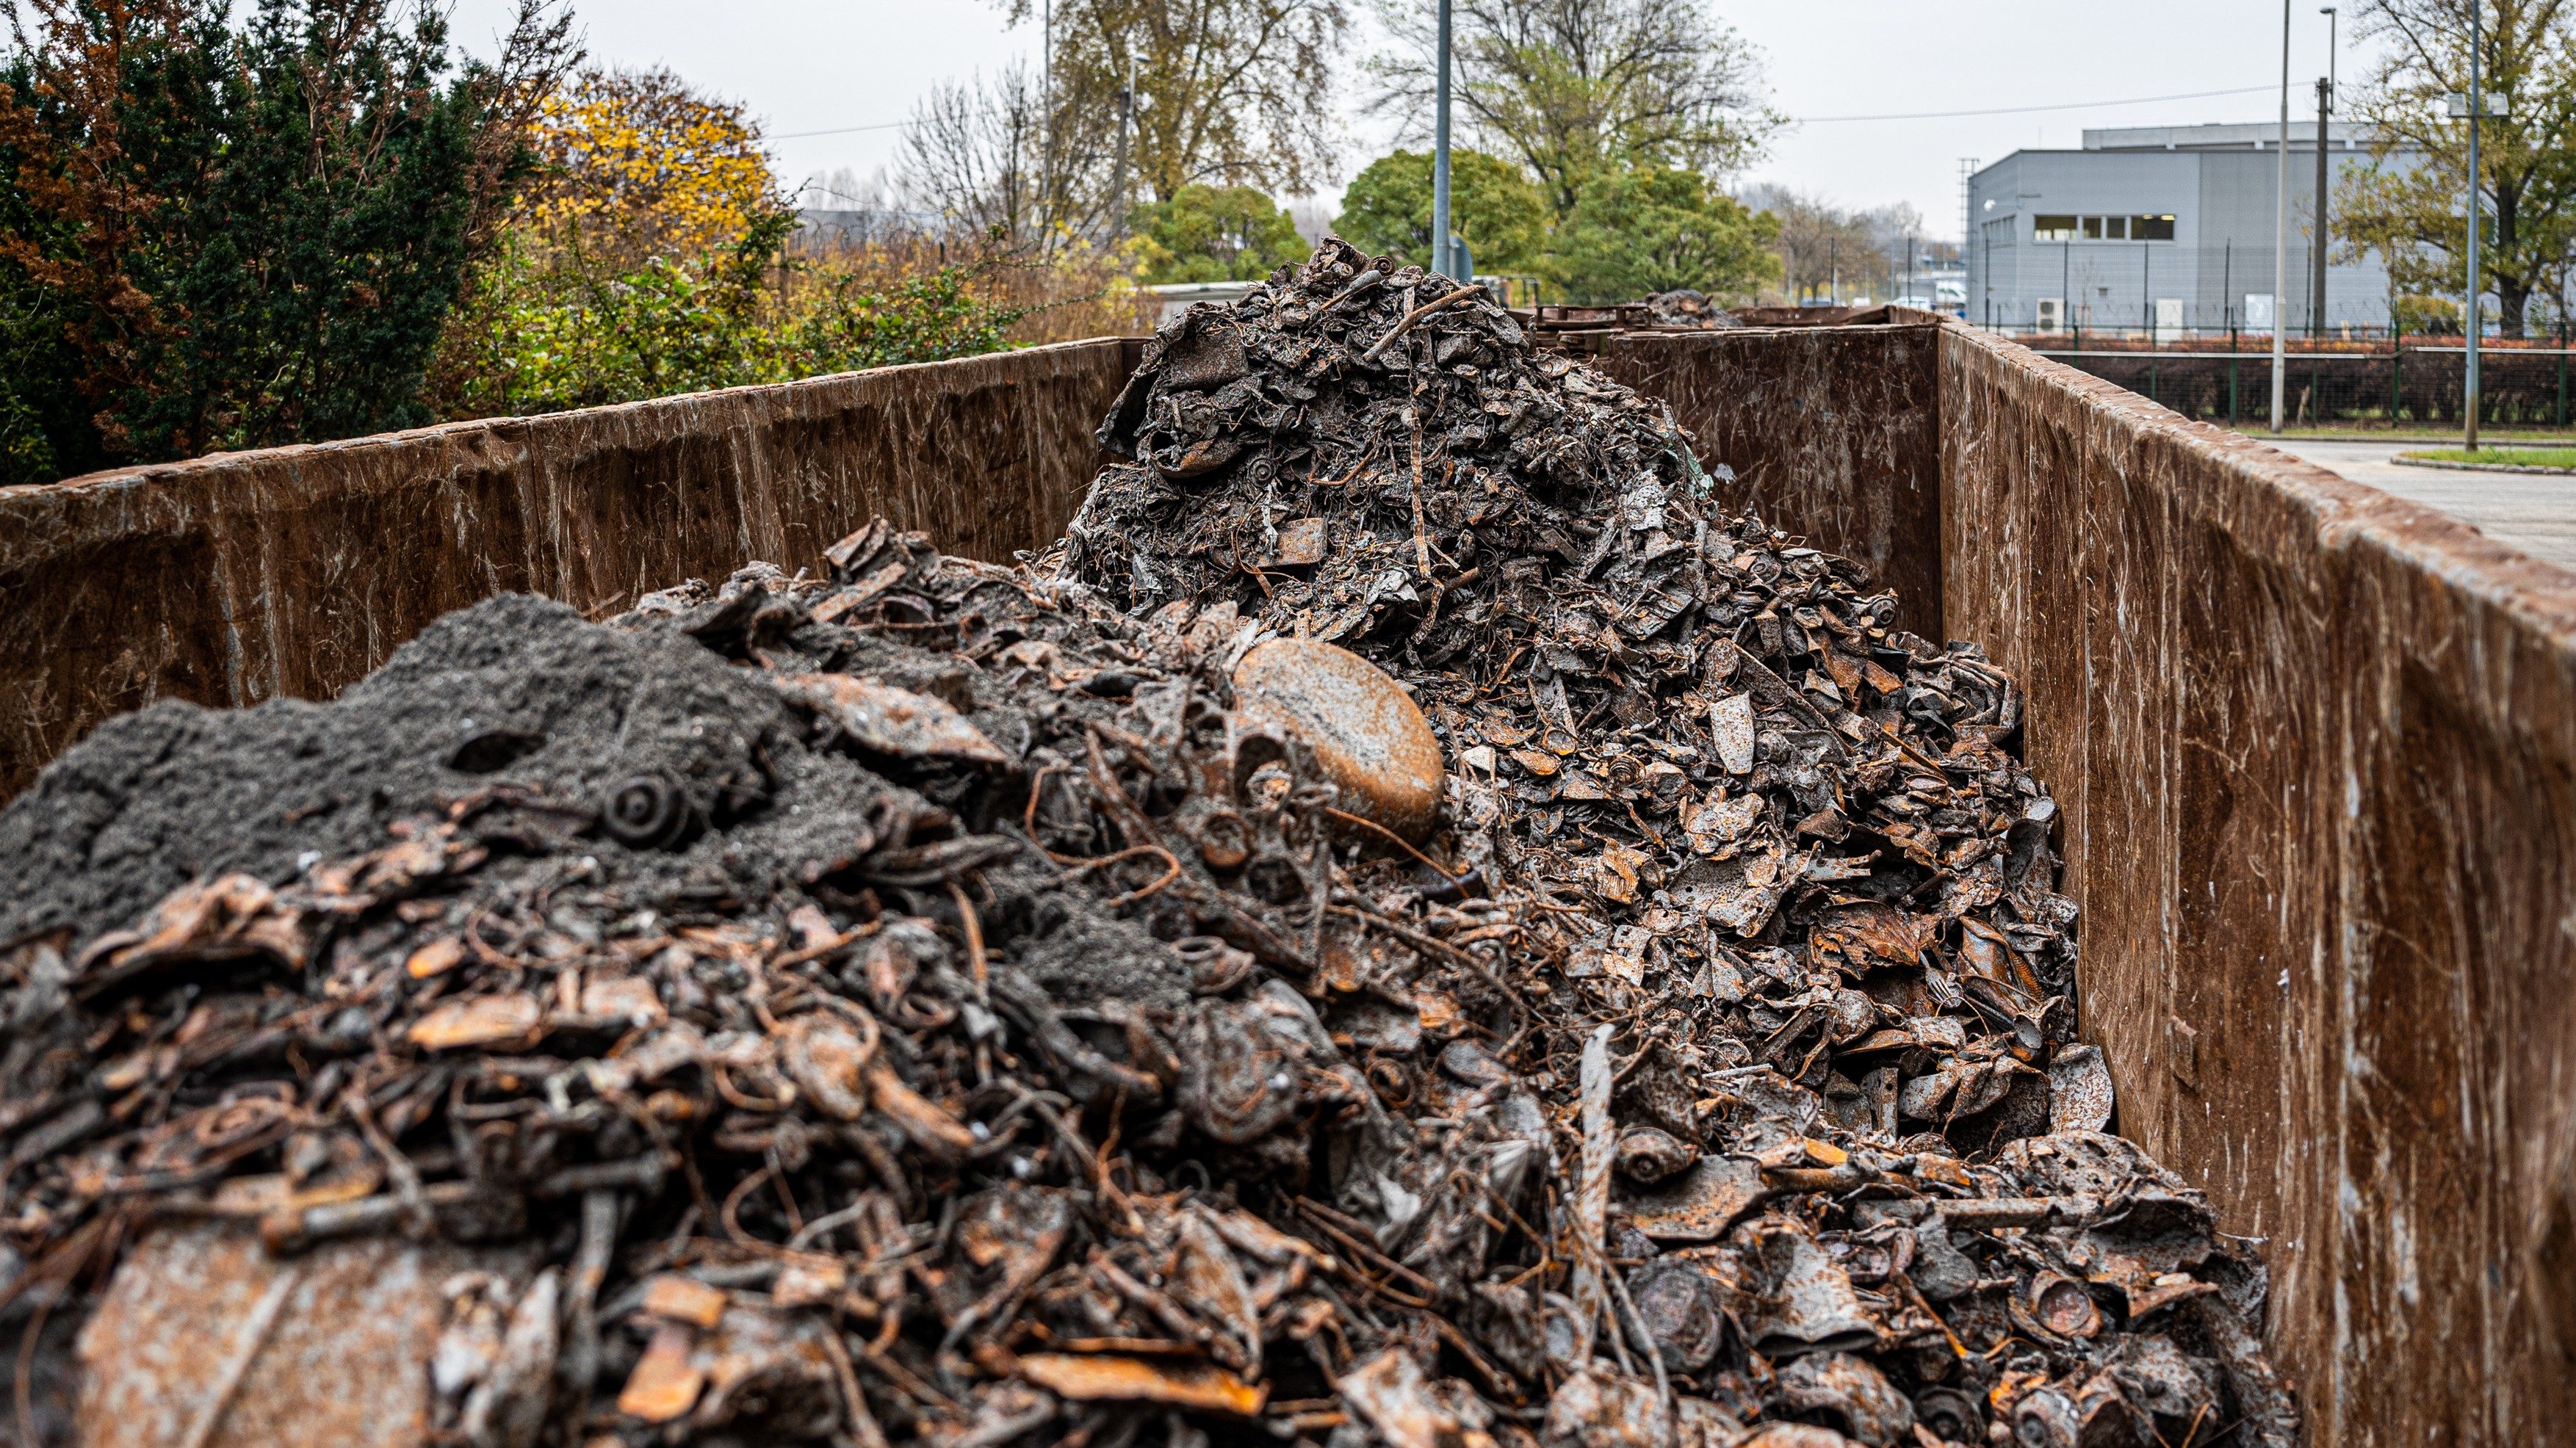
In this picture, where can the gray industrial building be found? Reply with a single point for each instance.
(2162, 227)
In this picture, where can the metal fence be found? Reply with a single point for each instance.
(2396, 386)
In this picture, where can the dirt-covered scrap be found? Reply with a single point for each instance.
(513, 709)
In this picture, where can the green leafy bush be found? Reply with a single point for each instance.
(1499, 210)
(1640, 230)
(546, 340)
(1215, 234)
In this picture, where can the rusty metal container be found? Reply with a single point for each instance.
(2315, 746)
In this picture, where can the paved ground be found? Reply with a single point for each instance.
(2532, 512)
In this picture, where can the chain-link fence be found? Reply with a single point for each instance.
(2406, 384)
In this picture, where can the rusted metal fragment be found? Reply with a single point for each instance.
(478, 1021)
(2079, 1090)
(1182, 1384)
(1391, 1393)
(1597, 1411)
(1302, 542)
(889, 720)
(1848, 1388)
(1698, 1205)
(666, 1381)
(684, 1299)
(1803, 1302)
(203, 1340)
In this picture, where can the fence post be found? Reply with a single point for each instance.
(2396, 368)
(2231, 366)
(2562, 371)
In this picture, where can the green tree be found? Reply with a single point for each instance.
(1640, 230)
(1387, 208)
(2413, 216)
(226, 237)
(1574, 88)
(1213, 234)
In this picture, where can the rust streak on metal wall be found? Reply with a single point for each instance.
(294, 571)
(1833, 432)
(2317, 752)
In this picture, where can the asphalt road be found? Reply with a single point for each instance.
(2531, 511)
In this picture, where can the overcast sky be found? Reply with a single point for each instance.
(830, 65)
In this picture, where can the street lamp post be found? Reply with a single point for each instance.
(2281, 234)
(1443, 261)
(2325, 123)
(2477, 109)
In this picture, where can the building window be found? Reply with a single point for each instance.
(2158, 227)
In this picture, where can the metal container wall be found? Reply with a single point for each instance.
(294, 571)
(2317, 750)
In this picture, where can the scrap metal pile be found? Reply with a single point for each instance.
(934, 1002)
(1687, 308)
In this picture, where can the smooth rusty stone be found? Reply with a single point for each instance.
(1365, 732)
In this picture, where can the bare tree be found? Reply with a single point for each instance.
(1822, 244)
(1226, 92)
(996, 159)
(1571, 87)
(2413, 214)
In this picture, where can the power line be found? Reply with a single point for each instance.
(836, 131)
(2025, 110)
(1800, 120)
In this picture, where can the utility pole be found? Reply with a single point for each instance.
(2317, 265)
(2477, 110)
(2281, 236)
(1444, 261)
(1126, 124)
(2325, 121)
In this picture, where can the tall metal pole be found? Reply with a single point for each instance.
(2476, 324)
(2317, 262)
(1126, 127)
(2281, 236)
(2325, 123)
(1443, 260)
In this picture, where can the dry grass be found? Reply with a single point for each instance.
(1079, 292)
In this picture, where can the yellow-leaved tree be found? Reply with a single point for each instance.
(650, 256)
(637, 165)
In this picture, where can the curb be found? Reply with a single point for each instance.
(2403, 461)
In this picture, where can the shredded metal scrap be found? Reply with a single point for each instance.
(975, 1028)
